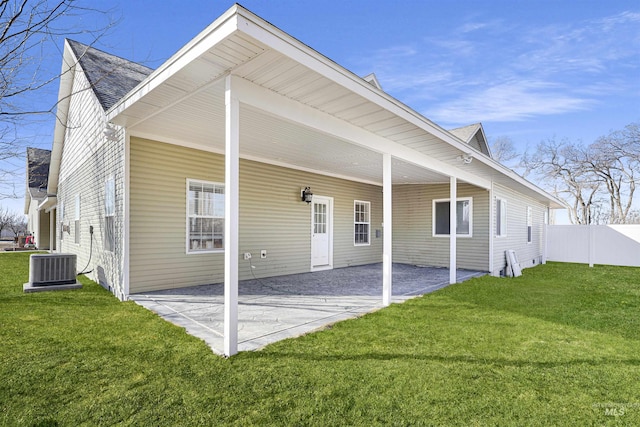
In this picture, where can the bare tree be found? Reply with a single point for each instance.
(597, 181)
(18, 224)
(6, 218)
(503, 149)
(28, 30)
(558, 166)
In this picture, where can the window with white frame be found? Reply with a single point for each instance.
(501, 217)
(442, 218)
(76, 222)
(205, 216)
(110, 214)
(529, 224)
(362, 223)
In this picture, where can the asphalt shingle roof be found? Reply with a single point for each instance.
(110, 76)
(38, 161)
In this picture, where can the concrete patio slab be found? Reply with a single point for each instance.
(276, 308)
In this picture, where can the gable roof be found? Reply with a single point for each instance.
(373, 80)
(38, 161)
(474, 136)
(110, 76)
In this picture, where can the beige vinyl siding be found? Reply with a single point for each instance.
(87, 160)
(43, 236)
(272, 218)
(413, 240)
(529, 254)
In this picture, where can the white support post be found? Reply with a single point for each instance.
(231, 223)
(545, 236)
(52, 231)
(387, 258)
(453, 222)
(492, 227)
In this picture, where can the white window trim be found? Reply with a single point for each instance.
(433, 217)
(529, 225)
(204, 251)
(76, 228)
(355, 202)
(503, 218)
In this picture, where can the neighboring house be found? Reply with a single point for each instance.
(38, 220)
(165, 178)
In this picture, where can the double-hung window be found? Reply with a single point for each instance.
(110, 214)
(442, 218)
(205, 216)
(362, 223)
(501, 217)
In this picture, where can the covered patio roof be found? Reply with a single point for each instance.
(298, 109)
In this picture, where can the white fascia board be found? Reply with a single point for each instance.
(220, 29)
(280, 106)
(67, 75)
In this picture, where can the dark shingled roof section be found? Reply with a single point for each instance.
(38, 161)
(110, 76)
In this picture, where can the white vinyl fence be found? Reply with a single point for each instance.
(594, 244)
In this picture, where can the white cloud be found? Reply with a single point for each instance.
(509, 101)
(491, 71)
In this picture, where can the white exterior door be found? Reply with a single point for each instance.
(321, 233)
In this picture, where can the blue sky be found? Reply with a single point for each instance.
(529, 70)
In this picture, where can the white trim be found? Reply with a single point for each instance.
(231, 215)
(368, 222)
(545, 236)
(329, 201)
(126, 207)
(387, 228)
(453, 232)
(503, 217)
(52, 227)
(189, 251)
(491, 225)
(433, 217)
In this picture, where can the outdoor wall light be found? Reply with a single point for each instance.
(465, 158)
(306, 195)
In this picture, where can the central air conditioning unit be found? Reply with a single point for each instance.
(48, 272)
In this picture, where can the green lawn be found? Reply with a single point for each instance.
(557, 346)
